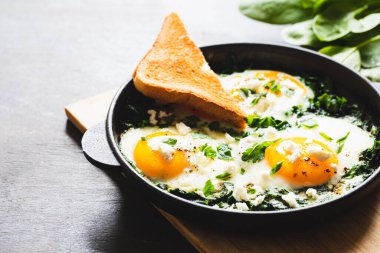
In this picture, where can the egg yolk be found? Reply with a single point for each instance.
(153, 164)
(305, 168)
(280, 77)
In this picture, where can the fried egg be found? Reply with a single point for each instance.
(266, 93)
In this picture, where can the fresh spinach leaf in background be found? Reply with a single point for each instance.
(301, 34)
(346, 30)
(370, 52)
(349, 56)
(276, 11)
(334, 22)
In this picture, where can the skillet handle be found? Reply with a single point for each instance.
(95, 146)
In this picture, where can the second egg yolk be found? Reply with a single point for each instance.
(306, 169)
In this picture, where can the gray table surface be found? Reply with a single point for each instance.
(53, 53)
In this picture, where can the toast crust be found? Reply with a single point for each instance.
(175, 71)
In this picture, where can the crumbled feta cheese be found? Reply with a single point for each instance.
(318, 152)
(165, 150)
(287, 147)
(293, 157)
(152, 117)
(258, 200)
(240, 193)
(241, 206)
(291, 148)
(229, 139)
(290, 199)
(312, 193)
(182, 128)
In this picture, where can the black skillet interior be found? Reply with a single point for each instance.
(238, 57)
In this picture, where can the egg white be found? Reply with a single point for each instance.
(202, 168)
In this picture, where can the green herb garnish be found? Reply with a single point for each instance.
(242, 171)
(170, 141)
(224, 152)
(256, 100)
(325, 136)
(143, 138)
(208, 188)
(224, 176)
(258, 122)
(208, 151)
(276, 168)
(310, 124)
(245, 91)
(341, 141)
(275, 87)
(256, 152)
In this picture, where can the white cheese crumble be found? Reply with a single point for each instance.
(241, 206)
(291, 148)
(240, 193)
(182, 128)
(318, 152)
(258, 200)
(311, 193)
(290, 199)
(229, 139)
(152, 117)
(165, 150)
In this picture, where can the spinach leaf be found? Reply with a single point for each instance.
(208, 188)
(191, 121)
(349, 56)
(276, 168)
(224, 152)
(365, 24)
(370, 52)
(224, 176)
(369, 161)
(373, 74)
(276, 11)
(334, 22)
(258, 122)
(208, 151)
(170, 141)
(331, 103)
(301, 34)
(256, 152)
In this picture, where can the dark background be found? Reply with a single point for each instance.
(53, 53)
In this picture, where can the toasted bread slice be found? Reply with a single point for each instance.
(175, 71)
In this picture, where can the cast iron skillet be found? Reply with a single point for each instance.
(229, 58)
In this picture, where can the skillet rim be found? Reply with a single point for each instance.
(296, 211)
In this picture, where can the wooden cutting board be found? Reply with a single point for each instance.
(357, 230)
